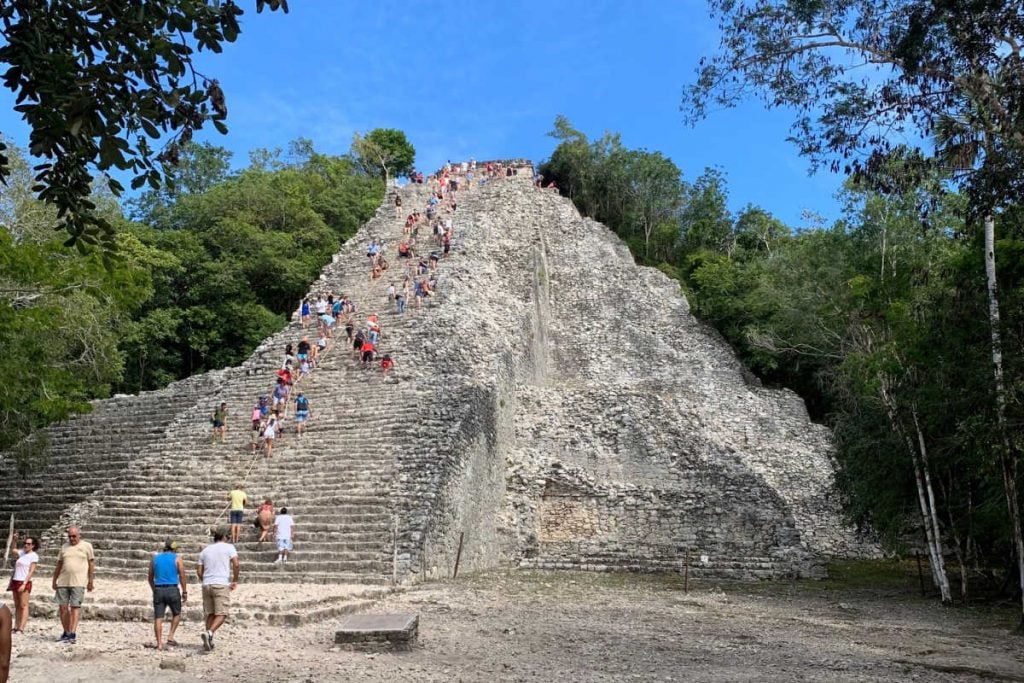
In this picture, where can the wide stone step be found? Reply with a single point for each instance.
(292, 571)
(349, 481)
(140, 547)
(340, 491)
(350, 567)
(355, 516)
(159, 528)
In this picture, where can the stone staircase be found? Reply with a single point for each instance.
(142, 469)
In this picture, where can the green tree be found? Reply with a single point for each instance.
(200, 166)
(384, 153)
(61, 316)
(756, 230)
(235, 258)
(97, 82)
(635, 192)
(572, 165)
(654, 188)
(856, 73)
(705, 221)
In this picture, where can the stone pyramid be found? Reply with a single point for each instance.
(553, 405)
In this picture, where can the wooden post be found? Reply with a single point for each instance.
(10, 539)
(920, 574)
(686, 572)
(458, 556)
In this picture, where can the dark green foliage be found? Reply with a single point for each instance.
(219, 264)
(384, 153)
(238, 257)
(61, 314)
(636, 192)
(854, 73)
(99, 83)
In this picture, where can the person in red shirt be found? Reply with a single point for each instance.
(368, 351)
(386, 363)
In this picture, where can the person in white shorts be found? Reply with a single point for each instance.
(284, 532)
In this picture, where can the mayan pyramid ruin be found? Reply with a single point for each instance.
(554, 405)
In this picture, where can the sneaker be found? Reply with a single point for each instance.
(63, 637)
(70, 639)
(207, 645)
(210, 636)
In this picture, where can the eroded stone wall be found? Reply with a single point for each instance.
(637, 440)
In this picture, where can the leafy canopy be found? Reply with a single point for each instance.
(864, 76)
(384, 153)
(98, 83)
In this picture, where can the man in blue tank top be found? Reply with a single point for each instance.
(166, 573)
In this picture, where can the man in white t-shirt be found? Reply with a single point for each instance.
(284, 532)
(217, 568)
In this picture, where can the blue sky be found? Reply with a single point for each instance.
(485, 79)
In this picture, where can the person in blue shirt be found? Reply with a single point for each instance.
(166, 574)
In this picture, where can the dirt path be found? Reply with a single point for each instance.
(581, 627)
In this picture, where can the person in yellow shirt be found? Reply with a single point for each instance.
(71, 578)
(237, 511)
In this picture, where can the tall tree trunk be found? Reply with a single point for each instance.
(959, 548)
(933, 537)
(962, 542)
(933, 514)
(935, 557)
(881, 264)
(1008, 457)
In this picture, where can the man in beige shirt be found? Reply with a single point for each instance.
(71, 578)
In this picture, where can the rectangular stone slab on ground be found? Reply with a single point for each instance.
(398, 630)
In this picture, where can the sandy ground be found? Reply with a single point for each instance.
(574, 627)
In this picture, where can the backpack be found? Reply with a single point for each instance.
(302, 403)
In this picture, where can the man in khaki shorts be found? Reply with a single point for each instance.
(217, 569)
(71, 578)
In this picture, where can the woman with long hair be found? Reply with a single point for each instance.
(21, 583)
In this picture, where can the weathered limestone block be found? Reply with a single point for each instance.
(371, 631)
